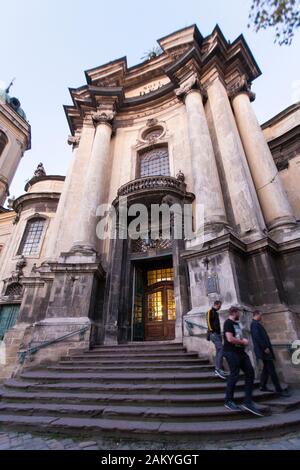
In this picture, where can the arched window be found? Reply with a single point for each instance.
(3, 142)
(31, 239)
(155, 162)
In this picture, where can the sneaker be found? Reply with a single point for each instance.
(220, 373)
(251, 407)
(266, 389)
(230, 405)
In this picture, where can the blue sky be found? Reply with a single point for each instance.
(47, 45)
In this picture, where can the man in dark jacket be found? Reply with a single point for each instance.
(214, 330)
(264, 352)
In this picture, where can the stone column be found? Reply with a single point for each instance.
(238, 183)
(63, 227)
(207, 186)
(114, 286)
(9, 164)
(3, 189)
(271, 194)
(94, 189)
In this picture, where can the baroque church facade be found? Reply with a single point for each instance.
(180, 129)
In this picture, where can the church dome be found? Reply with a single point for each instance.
(13, 102)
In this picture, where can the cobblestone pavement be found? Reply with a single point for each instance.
(21, 441)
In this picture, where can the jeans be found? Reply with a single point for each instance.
(217, 340)
(239, 361)
(269, 371)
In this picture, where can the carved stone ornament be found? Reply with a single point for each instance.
(73, 140)
(241, 86)
(10, 202)
(152, 122)
(145, 245)
(186, 86)
(103, 117)
(40, 170)
(180, 176)
(18, 272)
(21, 265)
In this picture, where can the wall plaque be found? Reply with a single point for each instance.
(212, 285)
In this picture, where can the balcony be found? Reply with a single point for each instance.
(155, 188)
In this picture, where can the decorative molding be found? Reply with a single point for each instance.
(285, 147)
(241, 85)
(150, 182)
(154, 132)
(142, 245)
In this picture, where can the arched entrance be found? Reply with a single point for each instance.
(154, 309)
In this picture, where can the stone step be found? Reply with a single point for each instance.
(260, 427)
(146, 347)
(163, 398)
(140, 344)
(283, 404)
(165, 414)
(146, 355)
(141, 362)
(109, 377)
(74, 367)
(124, 387)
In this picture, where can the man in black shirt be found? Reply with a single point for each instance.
(264, 352)
(214, 329)
(238, 359)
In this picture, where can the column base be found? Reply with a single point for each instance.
(282, 222)
(80, 253)
(211, 232)
(111, 334)
(285, 232)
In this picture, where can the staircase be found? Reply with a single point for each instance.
(139, 390)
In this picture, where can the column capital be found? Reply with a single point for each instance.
(190, 85)
(103, 117)
(74, 140)
(241, 85)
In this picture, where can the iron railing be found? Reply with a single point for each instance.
(34, 349)
(190, 326)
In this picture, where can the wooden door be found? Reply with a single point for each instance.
(160, 312)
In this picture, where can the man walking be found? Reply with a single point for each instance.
(264, 352)
(238, 359)
(214, 331)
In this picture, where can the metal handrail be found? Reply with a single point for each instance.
(34, 349)
(190, 326)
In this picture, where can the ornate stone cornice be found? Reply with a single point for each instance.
(184, 52)
(241, 85)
